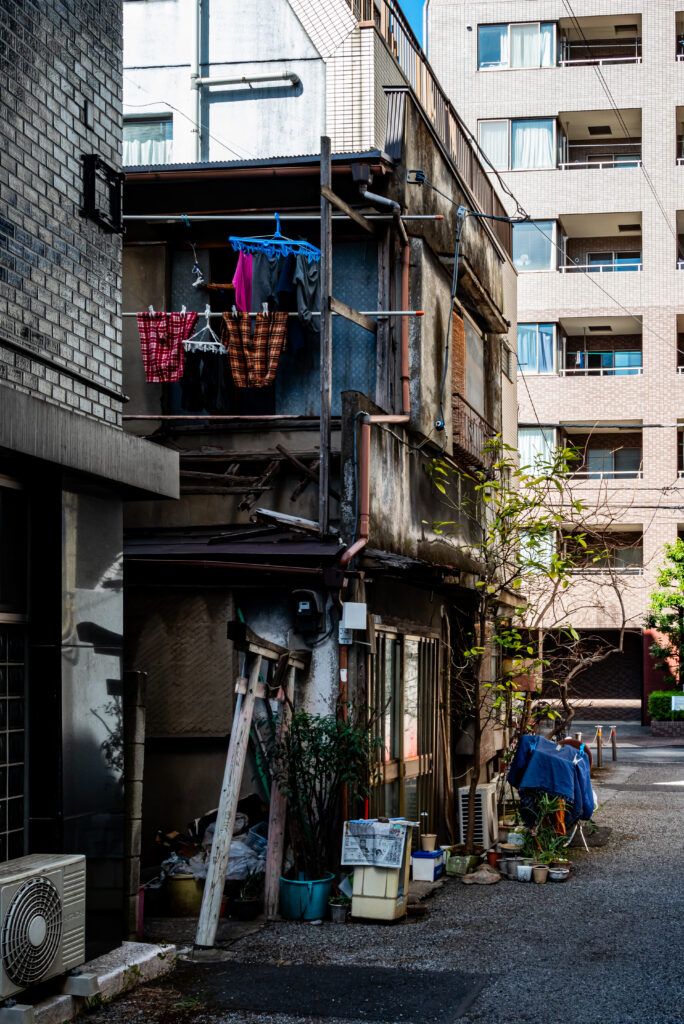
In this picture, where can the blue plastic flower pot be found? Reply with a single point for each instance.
(305, 901)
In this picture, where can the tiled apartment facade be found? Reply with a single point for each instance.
(574, 89)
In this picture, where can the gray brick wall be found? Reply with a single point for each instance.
(60, 274)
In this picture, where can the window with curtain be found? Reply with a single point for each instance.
(494, 143)
(535, 445)
(533, 245)
(532, 144)
(536, 348)
(525, 45)
(519, 145)
(147, 141)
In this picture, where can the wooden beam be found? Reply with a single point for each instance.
(342, 309)
(260, 486)
(277, 815)
(354, 215)
(307, 470)
(225, 818)
(303, 484)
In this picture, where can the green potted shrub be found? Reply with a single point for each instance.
(313, 762)
(339, 908)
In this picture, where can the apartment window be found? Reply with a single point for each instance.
(526, 45)
(534, 245)
(611, 464)
(526, 144)
(474, 368)
(507, 361)
(13, 548)
(535, 445)
(536, 345)
(598, 262)
(147, 140)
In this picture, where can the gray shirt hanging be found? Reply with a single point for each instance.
(307, 280)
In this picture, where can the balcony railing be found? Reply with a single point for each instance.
(388, 20)
(621, 570)
(615, 154)
(602, 371)
(576, 53)
(609, 474)
(471, 433)
(604, 268)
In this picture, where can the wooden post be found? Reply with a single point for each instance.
(277, 816)
(599, 748)
(613, 742)
(325, 340)
(225, 819)
(134, 756)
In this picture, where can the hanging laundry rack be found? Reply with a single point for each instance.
(364, 312)
(276, 244)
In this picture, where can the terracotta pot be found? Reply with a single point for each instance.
(427, 842)
(493, 858)
(540, 873)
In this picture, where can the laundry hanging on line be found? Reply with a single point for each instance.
(161, 341)
(253, 357)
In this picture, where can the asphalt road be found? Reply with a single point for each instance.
(603, 947)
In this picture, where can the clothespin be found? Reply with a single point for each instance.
(183, 309)
(151, 309)
(234, 310)
(185, 219)
(264, 308)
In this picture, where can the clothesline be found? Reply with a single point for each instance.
(363, 312)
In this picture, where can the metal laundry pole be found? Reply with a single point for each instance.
(325, 340)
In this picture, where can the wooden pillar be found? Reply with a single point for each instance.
(225, 819)
(277, 816)
(134, 758)
(325, 341)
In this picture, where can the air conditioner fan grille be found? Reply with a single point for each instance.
(32, 931)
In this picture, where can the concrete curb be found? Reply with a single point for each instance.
(119, 971)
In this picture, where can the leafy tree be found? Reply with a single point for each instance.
(666, 615)
(528, 535)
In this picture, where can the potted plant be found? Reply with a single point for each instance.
(339, 907)
(249, 903)
(313, 762)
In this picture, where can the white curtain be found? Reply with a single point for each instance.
(494, 142)
(137, 153)
(546, 348)
(527, 347)
(533, 247)
(534, 444)
(532, 144)
(525, 46)
(547, 56)
(492, 46)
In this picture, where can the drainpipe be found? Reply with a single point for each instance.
(285, 76)
(195, 48)
(425, 26)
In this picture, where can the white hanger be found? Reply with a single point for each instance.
(212, 344)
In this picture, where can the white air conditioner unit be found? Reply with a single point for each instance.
(42, 919)
(486, 819)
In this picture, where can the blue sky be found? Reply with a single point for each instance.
(413, 9)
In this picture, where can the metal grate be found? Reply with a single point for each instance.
(12, 738)
(32, 931)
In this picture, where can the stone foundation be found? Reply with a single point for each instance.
(667, 728)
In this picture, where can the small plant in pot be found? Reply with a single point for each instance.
(250, 901)
(313, 762)
(339, 908)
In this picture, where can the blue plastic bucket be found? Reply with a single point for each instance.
(305, 901)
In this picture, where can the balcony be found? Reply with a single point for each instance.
(605, 453)
(599, 40)
(613, 552)
(596, 139)
(471, 433)
(601, 243)
(680, 239)
(600, 347)
(679, 28)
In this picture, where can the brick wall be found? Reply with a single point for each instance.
(59, 273)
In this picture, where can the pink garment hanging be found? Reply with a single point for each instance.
(161, 340)
(243, 282)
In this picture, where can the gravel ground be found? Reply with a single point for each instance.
(604, 946)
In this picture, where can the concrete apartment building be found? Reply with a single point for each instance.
(580, 107)
(66, 465)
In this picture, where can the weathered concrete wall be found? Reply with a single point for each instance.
(243, 121)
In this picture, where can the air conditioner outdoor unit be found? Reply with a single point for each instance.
(42, 919)
(486, 818)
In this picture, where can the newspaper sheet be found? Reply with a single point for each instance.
(377, 844)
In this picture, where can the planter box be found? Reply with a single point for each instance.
(667, 728)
